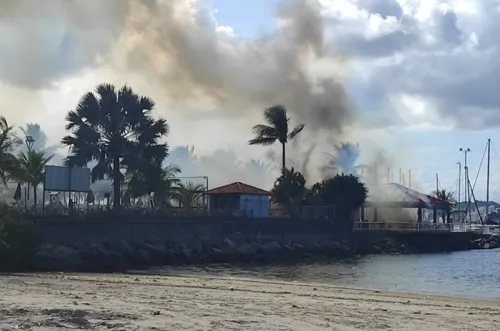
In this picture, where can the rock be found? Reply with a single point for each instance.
(271, 247)
(247, 250)
(229, 244)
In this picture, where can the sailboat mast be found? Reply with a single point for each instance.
(488, 179)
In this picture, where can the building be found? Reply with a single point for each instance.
(403, 204)
(239, 199)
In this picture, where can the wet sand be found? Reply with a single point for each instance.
(129, 302)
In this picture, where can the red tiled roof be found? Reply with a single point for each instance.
(238, 188)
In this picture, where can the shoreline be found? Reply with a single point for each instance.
(54, 301)
(195, 274)
(122, 256)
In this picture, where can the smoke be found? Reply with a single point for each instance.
(42, 41)
(222, 167)
(176, 48)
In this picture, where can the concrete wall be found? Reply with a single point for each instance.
(206, 229)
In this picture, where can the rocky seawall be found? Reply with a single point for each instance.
(116, 257)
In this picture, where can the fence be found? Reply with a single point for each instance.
(410, 227)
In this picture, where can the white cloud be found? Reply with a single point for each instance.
(422, 65)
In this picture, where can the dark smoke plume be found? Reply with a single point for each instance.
(173, 45)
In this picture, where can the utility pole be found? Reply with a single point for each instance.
(400, 177)
(409, 178)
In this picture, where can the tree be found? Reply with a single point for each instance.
(31, 169)
(344, 158)
(116, 129)
(444, 195)
(40, 141)
(155, 179)
(8, 142)
(345, 192)
(190, 195)
(289, 188)
(275, 129)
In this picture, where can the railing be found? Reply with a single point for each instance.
(486, 229)
(410, 227)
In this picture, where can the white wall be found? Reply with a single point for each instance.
(254, 205)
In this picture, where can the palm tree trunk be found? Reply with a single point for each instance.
(34, 195)
(116, 183)
(283, 158)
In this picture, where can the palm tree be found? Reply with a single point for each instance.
(31, 169)
(344, 158)
(8, 142)
(444, 195)
(275, 129)
(190, 195)
(161, 181)
(116, 129)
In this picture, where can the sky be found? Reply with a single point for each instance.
(420, 75)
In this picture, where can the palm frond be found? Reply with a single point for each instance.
(261, 130)
(296, 130)
(276, 116)
(264, 141)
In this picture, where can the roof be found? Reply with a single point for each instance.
(237, 188)
(396, 194)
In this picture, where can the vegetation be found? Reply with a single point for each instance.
(345, 192)
(445, 196)
(289, 188)
(8, 142)
(190, 195)
(159, 180)
(31, 168)
(113, 131)
(116, 129)
(18, 239)
(344, 159)
(275, 129)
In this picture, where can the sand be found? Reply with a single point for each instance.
(131, 302)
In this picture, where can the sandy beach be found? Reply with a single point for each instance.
(130, 302)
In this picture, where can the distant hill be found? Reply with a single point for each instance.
(480, 204)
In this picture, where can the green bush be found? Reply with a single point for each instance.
(18, 240)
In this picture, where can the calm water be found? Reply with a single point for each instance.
(474, 274)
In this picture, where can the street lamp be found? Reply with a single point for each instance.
(29, 142)
(466, 178)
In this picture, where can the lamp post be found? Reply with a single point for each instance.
(466, 178)
(29, 141)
